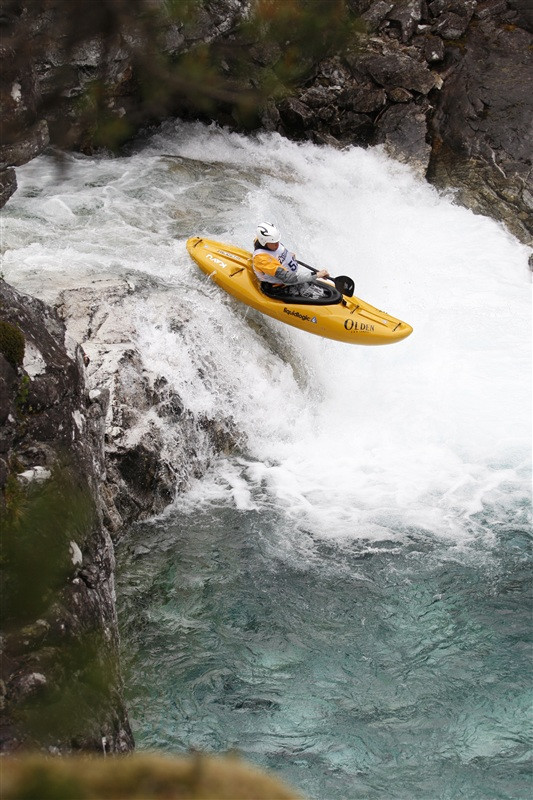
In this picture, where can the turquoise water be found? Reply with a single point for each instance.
(398, 669)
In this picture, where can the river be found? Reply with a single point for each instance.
(345, 596)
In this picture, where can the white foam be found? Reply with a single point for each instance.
(351, 441)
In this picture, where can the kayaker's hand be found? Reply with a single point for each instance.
(323, 274)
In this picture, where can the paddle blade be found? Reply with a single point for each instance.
(344, 285)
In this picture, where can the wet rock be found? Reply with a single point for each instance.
(436, 7)
(376, 13)
(270, 117)
(146, 477)
(295, 115)
(266, 52)
(327, 115)
(407, 13)
(151, 447)
(433, 49)
(327, 139)
(490, 8)
(318, 97)
(8, 185)
(402, 129)
(34, 141)
(365, 99)
(23, 686)
(352, 127)
(482, 126)
(76, 554)
(524, 14)
(399, 95)
(451, 25)
(391, 70)
(36, 474)
(334, 73)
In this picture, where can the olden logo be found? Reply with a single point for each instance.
(350, 325)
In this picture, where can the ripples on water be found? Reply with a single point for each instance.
(399, 669)
(346, 599)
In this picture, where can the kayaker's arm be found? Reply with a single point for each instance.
(269, 265)
(301, 275)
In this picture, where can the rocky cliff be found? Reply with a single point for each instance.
(441, 84)
(90, 441)
(61, 683)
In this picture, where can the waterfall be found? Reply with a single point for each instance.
(334, 551)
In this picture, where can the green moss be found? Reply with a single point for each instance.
(23, 393)
(12, 343)
(13, 501)
(460, 44)
(38, 522)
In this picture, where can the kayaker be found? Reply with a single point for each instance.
(275, 265)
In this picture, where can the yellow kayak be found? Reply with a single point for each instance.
(345, 319)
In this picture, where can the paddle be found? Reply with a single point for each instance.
(343, 283)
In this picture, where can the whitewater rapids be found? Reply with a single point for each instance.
(418, 453)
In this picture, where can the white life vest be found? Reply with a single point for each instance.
(285, 258)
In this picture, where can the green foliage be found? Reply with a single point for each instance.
(305, 32)
(264, 59)
(141, 776)
(12, 343)
(46, 784)
(38, 522)
(21, 399)
(102, 127)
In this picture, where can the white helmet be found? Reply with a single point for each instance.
(267, 234)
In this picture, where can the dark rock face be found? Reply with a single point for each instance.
(60, 634)
(33, 115)
(482, 136)
(8, 184)
(32, 144)
(18, 98)
(392, 70)
(402, 130)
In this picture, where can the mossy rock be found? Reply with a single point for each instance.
(12, 343)
(145, 776)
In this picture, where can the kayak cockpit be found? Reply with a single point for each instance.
(317, 293)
